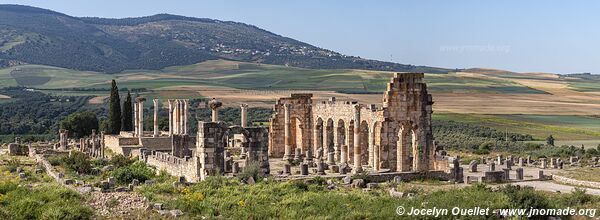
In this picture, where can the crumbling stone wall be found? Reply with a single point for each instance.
(210, 146)
(258, 147)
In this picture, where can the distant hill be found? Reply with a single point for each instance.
(39, 36)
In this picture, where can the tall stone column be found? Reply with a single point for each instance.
(288, 133)
(371, 144)
(175, 116)
(344, 154)
(376, 159)
(357, 153)
(401, 152)
(214, 106)
(318, 140)
(141, 116)
(170, 117)
(135, 119)
(243, 114)
(102, 144)
(185, 116)
(155, 101)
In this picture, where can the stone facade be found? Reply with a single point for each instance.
(396, 136)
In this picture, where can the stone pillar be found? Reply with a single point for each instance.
(543, 163)
(141, 116)
(506, 174)
(175, 116)
(243, 115)
(135, 119)
(357, 151)
(520, 173)
(155, 101)
(371, 146)
(288, 133)
(63, 139)
(180, 117)
(344, 154)
(102, 146)
(520, 162)
(376, 160)
(318, 137)
(214, 106)
(185, 116)
(170, 117)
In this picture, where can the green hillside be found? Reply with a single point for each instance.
(243, 75)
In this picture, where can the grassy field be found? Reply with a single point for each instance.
(247, 76)
(565, 129)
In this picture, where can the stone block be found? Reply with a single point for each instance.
(287, 169)
(304, 169)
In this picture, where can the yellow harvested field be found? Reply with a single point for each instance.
(97, 100)
(560, 100)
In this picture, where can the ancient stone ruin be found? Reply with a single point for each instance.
(396, 136)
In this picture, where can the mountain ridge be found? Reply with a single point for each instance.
(41, 36)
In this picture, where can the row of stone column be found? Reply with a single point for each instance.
(288, 151)
(178, 110)
(93, 146)
(138, 117)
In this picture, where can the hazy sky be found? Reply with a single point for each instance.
(548, 36)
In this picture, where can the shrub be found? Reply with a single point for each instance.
(121, 161)
(78, 162)
(55, 160)
(525, 197)
(137, 170)
(12, 164)
(578, 197)
(486, 146)
(251, 170)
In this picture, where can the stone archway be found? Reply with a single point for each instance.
(297, 137)
(407, 150)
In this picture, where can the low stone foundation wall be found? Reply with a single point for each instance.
(566, 180)
(383, 177)
(175, 166)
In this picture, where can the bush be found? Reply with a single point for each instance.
(578, 197)
(121, 161)
(12, 164)
(525, 197)
(55, 160)
(137, 170)
(251, 170)
(78, 162)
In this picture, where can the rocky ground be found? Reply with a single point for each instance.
(117, 203)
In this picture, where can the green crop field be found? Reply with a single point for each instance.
(246, 76)
(563, 128)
